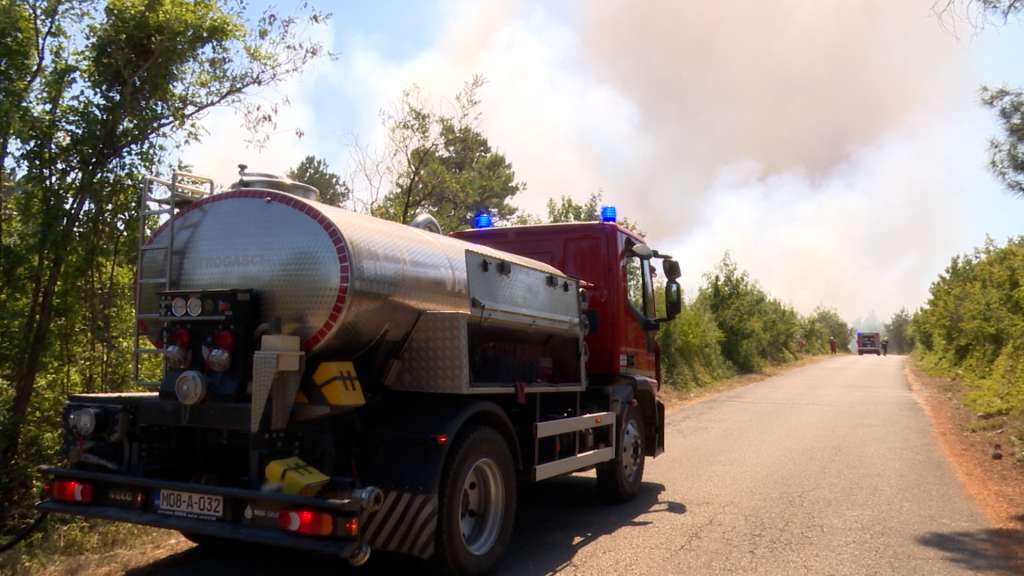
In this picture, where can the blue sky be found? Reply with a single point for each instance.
(829, 146)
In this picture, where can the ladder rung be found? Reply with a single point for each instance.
(152, 280)
(149, 248)
(178, 196)
(158, 212)
(148, 317)
(177, 186)
(148, 351)
(151, 384)
(191, 176)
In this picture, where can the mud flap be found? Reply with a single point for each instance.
(406, 523)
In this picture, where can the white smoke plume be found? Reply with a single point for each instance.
(787, 84)
(828, 145)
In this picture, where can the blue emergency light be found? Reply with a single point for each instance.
(483, 220)
(608, 214)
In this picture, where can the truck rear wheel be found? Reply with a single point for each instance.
(619, 479)
(477, 503)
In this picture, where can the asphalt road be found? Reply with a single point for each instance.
(831, 468)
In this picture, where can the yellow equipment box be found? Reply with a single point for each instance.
(295, 476)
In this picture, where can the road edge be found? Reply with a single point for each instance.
(676, 400)
(1000, 502)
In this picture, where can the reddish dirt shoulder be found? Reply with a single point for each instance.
(997, 485)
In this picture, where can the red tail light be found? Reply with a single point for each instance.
(306, 522)
(352, 526)
(71, 491)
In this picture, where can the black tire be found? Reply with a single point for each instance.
(482, 452)
(619, 480)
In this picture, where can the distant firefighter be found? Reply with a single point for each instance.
(833, 344)
(885, 346)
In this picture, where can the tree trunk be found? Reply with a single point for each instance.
(25, 378)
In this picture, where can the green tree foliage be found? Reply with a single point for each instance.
(897, 330)
(565, 209)
(755, 327)
(315, 172)
(1006, 154)
(691, 348)
(441, 164)
(90, 95)
(734, 326)
(973, 325)
(816, 329)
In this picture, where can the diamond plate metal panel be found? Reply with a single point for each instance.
(264, 368)
(436, 357)
(512, 292)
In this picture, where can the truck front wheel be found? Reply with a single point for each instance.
(619, 479)
(477, 503)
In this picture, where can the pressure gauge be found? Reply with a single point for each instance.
(178, 307)
(195, 306)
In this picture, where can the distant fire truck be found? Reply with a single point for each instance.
(869, 343)
(337, 383)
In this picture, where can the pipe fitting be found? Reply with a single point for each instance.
(360, 556)
(371, 498)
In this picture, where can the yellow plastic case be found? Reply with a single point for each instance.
(295, 476)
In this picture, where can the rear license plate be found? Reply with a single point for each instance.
(190, 504)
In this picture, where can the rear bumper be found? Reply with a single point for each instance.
(237, 523)
(229, 530)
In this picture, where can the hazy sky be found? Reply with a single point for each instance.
(835, 147)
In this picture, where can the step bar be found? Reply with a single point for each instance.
(582, 460)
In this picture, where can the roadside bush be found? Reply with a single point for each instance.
(973, 326)
(733, 326)
(691, 356)
(756, 329)
(898, 331)
(816, 329)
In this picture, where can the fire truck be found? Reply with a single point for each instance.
(332, 382)
(869, 343)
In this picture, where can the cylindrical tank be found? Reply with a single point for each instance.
(338, 279)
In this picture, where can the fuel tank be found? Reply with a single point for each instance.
(338, 279)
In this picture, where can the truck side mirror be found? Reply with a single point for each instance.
(671, 269)
(642, 250)
(673, 299)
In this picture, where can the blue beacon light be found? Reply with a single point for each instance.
(483, 220)
(608, 214)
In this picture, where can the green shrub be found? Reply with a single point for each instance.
(973, 326)
(690, 352)
(734, 326)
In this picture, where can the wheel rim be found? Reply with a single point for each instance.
(632, 450)
(482, 506)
